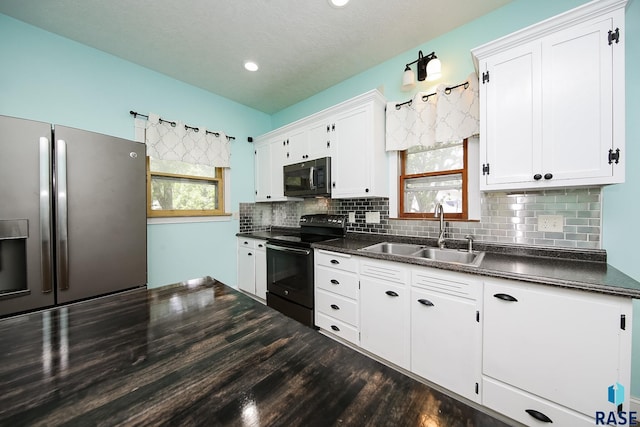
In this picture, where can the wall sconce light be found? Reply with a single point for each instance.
(429, 68)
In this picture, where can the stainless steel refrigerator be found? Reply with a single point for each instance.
(72, 215)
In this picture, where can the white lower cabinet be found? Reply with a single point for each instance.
(563, 347)
(446, 334)
(384, 310)
(261, 270)
(531, 352)
(252, 267)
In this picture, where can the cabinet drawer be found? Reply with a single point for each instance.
(337, 281)
(260, 245)
(337, 306)
(385, 270)
(337, 260)
(338, 328)
(244, 242)
(514, 404)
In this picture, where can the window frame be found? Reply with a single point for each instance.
(464, 215)
(172, 213)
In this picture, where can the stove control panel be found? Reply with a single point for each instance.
(323, 220)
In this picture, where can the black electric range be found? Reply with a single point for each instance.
(290, 275)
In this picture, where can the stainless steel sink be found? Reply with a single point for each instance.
(394, 248)
(453, 256)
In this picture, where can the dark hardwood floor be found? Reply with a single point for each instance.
(200, 356)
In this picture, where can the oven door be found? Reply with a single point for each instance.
(290, 273)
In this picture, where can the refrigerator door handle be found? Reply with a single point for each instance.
(45, 213)
(62, 217)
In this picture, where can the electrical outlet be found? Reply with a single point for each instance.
(352, 217)
(551, 223)
(372, 217)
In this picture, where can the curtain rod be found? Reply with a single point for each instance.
(173, 124)
(447, 91)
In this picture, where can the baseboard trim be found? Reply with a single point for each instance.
(635, 404)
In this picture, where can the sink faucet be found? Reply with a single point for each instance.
(439, 212)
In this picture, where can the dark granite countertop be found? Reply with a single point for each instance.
(569, 268)
(275, 231)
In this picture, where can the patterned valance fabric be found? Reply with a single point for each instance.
(447, 115)
(168, 142)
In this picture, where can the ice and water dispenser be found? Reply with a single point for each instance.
(13, 256)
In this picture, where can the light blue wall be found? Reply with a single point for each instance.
(52, 79)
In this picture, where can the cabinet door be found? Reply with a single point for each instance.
(246, 270)
(445, 341)
(278, 157)
(320, 139)
(384, 320)
(263, 171)
(261, 270)
(561, 345)
(350, 166)
(511, 116)
(297, 146)
(577, 102)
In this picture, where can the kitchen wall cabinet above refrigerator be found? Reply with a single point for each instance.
(72, 215)
(552, 110)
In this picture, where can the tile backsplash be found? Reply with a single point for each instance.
(506, 217)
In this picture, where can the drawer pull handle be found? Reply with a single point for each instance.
(425, 302)
(334, 282)
(335, 328)
(335, 261)
(538, 415)
(335, 307)
(391, 294)
(506, 297)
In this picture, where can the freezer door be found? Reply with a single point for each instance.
(100, 194)
(25, 221)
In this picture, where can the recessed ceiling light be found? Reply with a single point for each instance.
(338, 3)
(251, 66)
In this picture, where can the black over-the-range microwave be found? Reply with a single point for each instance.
(311, 178)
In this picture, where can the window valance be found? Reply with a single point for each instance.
(449, 114)
(174, 141)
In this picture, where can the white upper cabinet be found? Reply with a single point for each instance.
(296, 146)
(270, 157)
(552, 101)
(320, 134)
(352, 133)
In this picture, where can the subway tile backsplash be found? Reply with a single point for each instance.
(506, 217)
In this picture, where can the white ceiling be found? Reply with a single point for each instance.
(302, 46)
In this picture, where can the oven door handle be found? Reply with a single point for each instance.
(285, 249)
